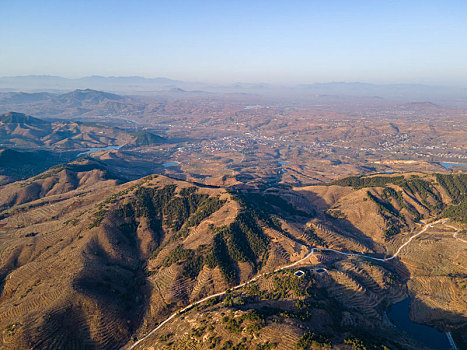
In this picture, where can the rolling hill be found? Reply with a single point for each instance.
(19, 165)
(90, 262)
(31, 145)
(79, 102)
(22, 131)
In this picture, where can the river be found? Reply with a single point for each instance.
(399, 315)
(448, 165)
(94, 149)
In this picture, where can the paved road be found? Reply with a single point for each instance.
(398, 250)
(455, 233)
(217, 295)
(292, 265)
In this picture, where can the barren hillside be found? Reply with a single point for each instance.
(86, 262)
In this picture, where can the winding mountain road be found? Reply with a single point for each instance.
(398, 250)
(455, 233)
(217, 295)
(186, 308)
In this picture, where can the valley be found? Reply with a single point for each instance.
(214, 223)
(181, 243)
(233, 175)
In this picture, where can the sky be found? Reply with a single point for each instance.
(284, 42)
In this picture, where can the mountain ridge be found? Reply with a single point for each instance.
(179, 242)
(135, 84)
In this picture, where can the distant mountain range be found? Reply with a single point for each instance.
(49, 83)
(75, 103)
(78, 95)
(21, 119)
(140, 85)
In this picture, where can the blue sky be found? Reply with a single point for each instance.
(288, 41)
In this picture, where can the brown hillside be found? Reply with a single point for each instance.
(81, 253)
(88, 263)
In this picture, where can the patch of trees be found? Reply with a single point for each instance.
(163, 206)
(358, 343)
(152, 201)
(285, 284)
(267, 209)
(389, 192)
(188, 207)
(414, 186)
(456, 186)
(241, 241)
(392, 201)
(457, 212)
(177, 255)
(128, 229)
(312, 238)
(312, 340)
(266, 346)
(102, 206)
(358, 182)
(228, 345)
(424, 189)
(193, 261)
(393, 219)
(383, 206)
(265, 204)
(206, 208)
(98, 217)
(335, 213)
(252, 321)
(180, 208)
(144, 138)
(220, 257)
(288, 282)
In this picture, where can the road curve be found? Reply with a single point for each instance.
(217, 295)
(312, 250)
(455, 233)
(395, 254)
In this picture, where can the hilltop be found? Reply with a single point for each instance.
(67, 105)
(31, 145)
(16, 165)
(20, 118)
(130, 254)
(145, 138)
(87, 96)
(21, 130)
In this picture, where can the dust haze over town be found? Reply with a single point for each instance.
(267, 175)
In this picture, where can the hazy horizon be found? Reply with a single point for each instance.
(234, 82)
(418, 42)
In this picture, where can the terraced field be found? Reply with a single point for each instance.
(112, 262)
